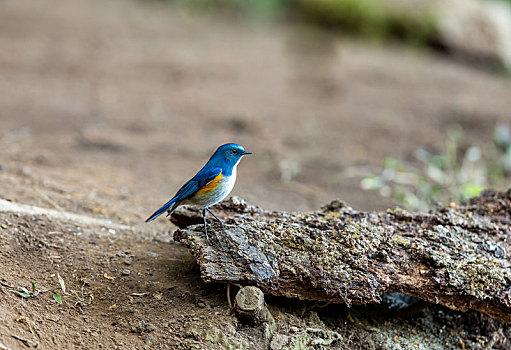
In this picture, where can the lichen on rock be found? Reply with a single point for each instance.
(457, 258)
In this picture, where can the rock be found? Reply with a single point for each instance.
(337, 256)
(142, 326)
(137, 328)
(25, 171)
(279, 341)
(479, 28)
(163, 238)
(125, 272)
(149, 327)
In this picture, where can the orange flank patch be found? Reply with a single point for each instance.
(210, 186)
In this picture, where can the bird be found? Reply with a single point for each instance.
(210, 185)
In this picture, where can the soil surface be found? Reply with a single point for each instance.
(107, 107)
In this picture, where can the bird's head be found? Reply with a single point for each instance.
(230, 153)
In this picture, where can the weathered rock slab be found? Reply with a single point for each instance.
(457, 257)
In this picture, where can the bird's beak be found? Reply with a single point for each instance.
(245, 153)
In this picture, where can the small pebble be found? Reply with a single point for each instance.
(125, 272)
(153, 255)
(25, 171)
(149, 327)
(163, 238)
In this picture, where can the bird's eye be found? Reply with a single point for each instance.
(234, 151)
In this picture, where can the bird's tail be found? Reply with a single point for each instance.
(165, 207)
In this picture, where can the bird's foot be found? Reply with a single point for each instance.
(206, 233)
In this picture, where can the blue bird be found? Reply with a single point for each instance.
(210, 185)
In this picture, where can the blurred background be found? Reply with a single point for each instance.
(106, 107)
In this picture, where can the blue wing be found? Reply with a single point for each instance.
(202, 178)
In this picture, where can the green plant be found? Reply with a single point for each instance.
(57, 297)
(372, 18)
(502, 139)
(456, 174)
(24, 292)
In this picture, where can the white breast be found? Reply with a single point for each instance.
(217, 195)
(231, 181)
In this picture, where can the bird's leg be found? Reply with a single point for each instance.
(205, 224)
(220, 221)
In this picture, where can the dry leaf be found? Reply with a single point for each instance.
(61, 281)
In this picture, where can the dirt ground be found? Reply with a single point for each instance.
(108, 106)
